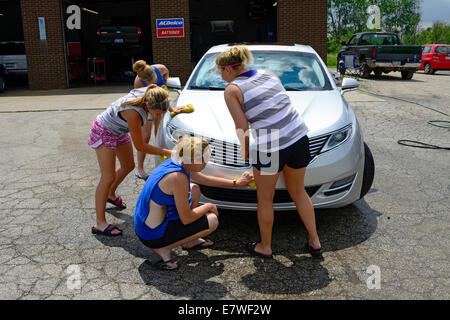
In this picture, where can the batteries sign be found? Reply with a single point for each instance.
(170, 28)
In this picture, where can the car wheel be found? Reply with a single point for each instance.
(364, 71)
(369, 171)
(377, 72)
(2, 84)
(407, 75)
(428, 69)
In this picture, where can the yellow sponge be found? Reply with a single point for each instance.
(188, 109)
(162, 159)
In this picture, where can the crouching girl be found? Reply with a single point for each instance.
(167, 212)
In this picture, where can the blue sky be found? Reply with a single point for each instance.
(433, 10)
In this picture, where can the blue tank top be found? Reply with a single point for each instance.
(151, 191)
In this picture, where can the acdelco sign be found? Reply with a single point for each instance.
(170, 28)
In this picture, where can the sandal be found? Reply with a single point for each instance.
(118, 203)
(200, 245)
(108, 231)
(251, 248)
(162, 265)
(312, 251)
(141, 175)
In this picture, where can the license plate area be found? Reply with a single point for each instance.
(397, 63)
(118, 40)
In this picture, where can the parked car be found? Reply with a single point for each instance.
(342, 166)
(435, 57)
(13, 62)
(378, 52)
(119, 35)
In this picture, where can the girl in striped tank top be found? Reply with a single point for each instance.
(260, 107)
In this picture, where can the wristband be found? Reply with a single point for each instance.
(234, 182)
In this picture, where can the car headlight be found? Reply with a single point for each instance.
(337, 138)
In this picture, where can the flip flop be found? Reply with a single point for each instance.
(162, 265)
(141, 175)
(200, 245)
(312, 251)
(108, 231)
(118, 203)
(251, 248)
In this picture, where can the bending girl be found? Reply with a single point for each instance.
(258, 98)
(110, 137)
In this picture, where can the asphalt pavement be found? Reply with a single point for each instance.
(393, 244)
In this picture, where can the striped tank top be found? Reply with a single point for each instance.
(274, 122)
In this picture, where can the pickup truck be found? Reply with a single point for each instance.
(378, 52)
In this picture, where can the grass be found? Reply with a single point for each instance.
(332, 60)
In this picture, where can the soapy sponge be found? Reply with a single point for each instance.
(188, 109)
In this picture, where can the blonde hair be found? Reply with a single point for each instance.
(234, 55)
(192, 150)
(156, 97)
(144, 71)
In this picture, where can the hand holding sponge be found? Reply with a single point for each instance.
(187, 109)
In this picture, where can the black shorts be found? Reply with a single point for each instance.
(176, 231)
(295, 156)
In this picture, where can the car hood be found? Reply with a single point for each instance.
(322, 111)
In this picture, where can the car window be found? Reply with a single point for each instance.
(443, 49)
(296, 70)
(12, 48)
(353, 40)
(427, 49)
(379, 39)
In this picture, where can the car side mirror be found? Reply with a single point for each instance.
(349, 84)
(174, 83)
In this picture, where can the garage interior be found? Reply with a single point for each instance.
(216, 22)
(112, 36)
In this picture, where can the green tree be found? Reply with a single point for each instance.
(439, 33)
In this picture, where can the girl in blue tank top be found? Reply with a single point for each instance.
(167, 212)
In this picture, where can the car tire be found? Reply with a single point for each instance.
(407, 75)
(378, 72)
(364, 70)
(2, 84)
(428, 69)
(369, 171)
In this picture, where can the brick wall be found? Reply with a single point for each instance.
(45, 59)
(304, 22)
(175, 53)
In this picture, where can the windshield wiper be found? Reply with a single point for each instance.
(295, 89)
(206, 88)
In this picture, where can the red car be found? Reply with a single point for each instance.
(435, 57)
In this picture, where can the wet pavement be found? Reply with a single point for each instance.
(399, 233)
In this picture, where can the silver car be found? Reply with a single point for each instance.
(342, 167)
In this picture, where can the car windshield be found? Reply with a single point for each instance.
(297, 71)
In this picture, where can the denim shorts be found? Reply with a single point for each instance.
(101, 136)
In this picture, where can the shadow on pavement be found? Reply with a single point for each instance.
(292, 271)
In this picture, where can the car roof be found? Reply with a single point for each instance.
(274, 46)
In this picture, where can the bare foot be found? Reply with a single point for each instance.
(198, 243)
(165, 256)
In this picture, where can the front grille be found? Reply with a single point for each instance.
(248, 195)
(316, 144)
(228, 154)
